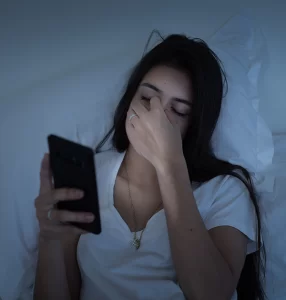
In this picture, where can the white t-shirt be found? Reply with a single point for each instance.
(111, 268)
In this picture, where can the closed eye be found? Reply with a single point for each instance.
(180, 114)
(176, 112)
(145, 98)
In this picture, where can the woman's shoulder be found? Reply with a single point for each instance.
(222, 183)
(222, 189)
(225, 201)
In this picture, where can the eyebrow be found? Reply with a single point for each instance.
(151, 86)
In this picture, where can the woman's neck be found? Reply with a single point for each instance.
(140, 171)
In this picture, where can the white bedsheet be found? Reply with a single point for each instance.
(274, 210)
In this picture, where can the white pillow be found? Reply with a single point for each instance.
(241, 136)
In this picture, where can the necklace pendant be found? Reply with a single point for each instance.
(136, 243)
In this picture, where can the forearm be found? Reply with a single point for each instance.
(201, 270)
(72, 268)
(54, 265)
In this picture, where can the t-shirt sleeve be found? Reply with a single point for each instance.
(232, 206)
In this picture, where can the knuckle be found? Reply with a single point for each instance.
(55, 194)
(63, 216)
(79, 217)
(75, 217)
(67, 216)
(67, 194)
(64, 193)
(49, 195)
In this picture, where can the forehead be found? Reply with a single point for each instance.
(170, 81)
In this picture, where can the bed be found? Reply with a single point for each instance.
(15, 277)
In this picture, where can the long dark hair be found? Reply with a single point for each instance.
(201, 64)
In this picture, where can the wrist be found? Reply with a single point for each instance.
(51, 238)
(45, 238)
(167, 166)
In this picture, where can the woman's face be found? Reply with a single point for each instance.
(174, 90)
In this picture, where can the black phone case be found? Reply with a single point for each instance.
(73, 166)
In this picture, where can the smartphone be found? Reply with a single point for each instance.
(73, 166)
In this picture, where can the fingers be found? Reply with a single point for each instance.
(46, 183)
(65, 216)
(138, 108)
(48, 200)
(155, 102)
(56, 195)
(65, 194)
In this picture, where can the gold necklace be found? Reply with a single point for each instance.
(136, 242)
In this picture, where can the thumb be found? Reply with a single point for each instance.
(46, 183)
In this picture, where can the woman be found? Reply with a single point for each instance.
(193, 219)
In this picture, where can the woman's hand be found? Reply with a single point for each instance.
(56, 227)
(155, 135)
